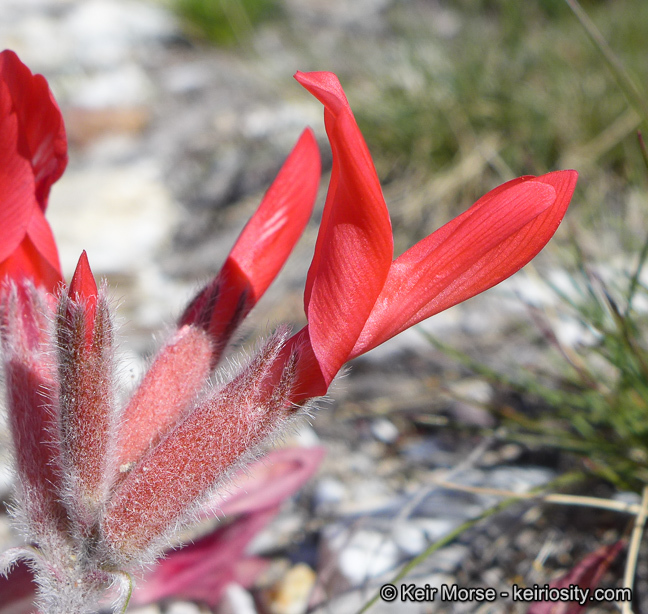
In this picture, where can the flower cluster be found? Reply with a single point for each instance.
(102, 486)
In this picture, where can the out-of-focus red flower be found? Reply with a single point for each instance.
(586, 575)
(357, 296)
(32, 157)
(202, 570)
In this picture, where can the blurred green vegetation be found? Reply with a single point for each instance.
(224, 22)
(523, 71)
(594, 401)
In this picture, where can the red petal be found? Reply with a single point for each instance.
(202, 570)
(26, 262)
(262, 248)
(42, 138)
(17, 201)
(269, 237)
(83, 291)
(496, 237)
(83, 286)
(33, 156)
(354, 246)
(47, 266)
(266, 483)
(586, 575)
(18, 591)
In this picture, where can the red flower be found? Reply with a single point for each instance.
(356, 297)
(32, 157)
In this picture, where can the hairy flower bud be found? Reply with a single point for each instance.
(30, 382)
(84, 335)
(169, 388)
(200, 451)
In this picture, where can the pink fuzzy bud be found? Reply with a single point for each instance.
(200, 452)
(30, 383)
(177, 375)
(84, 334)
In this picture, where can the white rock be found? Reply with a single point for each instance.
(451, 557)
(122, 86)
(384, 430)
(367, 554)
(38, 42)
(236, 600)
(121, 215)
(410, 538)
(328, 491)
(105, 31)
(182, 607)
(436, 528)
(518, 479)
(147, 609)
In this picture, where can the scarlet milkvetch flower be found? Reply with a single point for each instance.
(357, 296)
(103, 486)
(32, 157)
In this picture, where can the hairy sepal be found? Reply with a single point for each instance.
(86, 395)
(30, 373)
(199, 454)
(167, 391)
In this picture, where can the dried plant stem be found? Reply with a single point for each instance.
(633, 549)
(444, 541)
(562, 480)
(127, 581)
(559, 499)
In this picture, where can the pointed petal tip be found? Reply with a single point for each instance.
(326, 87)
(83, 285)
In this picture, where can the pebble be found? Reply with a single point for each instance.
(410, 538)
(236, 600)
(384, 430)
(436, 528)
(127, 85)
(182, 607)
(361, 554)
(329, 490)
(290, 595)
(121, 214)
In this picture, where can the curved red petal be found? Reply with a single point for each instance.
(49, 266)
(17, 201)
(268, 238)
(496, 237)
(262, 248)
(42, 141)
(354, 246)
(26, 262)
